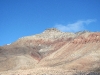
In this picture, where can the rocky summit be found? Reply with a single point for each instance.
(52, 52)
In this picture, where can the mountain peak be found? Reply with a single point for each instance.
(52, 30)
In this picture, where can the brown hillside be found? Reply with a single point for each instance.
(55, 50)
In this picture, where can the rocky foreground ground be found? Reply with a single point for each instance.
(52, 53)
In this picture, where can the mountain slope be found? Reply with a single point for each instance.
(53, 49)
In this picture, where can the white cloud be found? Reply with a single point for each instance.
(74, 27)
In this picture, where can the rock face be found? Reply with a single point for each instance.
(53, 49)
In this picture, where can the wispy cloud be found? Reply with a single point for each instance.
(74, 27)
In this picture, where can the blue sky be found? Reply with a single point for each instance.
(20, 18)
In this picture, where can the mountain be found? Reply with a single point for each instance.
(52, 52)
